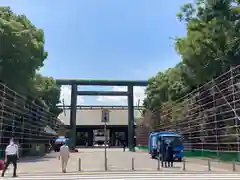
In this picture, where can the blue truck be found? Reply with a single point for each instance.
(155, 140)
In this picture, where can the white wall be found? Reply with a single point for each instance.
(94, 116)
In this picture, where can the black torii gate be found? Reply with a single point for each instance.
(129, 93)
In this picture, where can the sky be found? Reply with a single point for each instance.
(105, 39)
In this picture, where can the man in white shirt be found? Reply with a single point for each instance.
(11, 156)
(64, 155)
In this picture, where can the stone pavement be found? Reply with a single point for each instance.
(93, 160)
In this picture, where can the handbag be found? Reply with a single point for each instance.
(2, 164)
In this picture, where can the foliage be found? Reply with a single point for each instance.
(47, 90)
(167, 86)
(212, 43)
(22, 53)
(22, 50)
(211, 46)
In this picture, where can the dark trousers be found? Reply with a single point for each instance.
(170, 160)
(170, 163)
(124, 147)
(164, 160)
(11, 159)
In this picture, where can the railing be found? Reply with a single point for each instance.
(25, 120)
(208, 118)
(207, 165)
(94, 160)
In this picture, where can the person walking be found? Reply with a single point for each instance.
(163, 153)
(11, 157)
(124, 146)
(64, 156)
(170, 155)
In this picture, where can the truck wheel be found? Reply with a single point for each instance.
(179, 159)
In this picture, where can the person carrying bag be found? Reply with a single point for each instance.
(11, 157)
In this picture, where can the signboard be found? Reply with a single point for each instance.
(105, 115)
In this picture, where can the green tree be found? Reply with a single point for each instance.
(47, 90)
(212, 44)
(155, 92)
(177, 84)
(22, 53)
(21, 50)
(166, 86)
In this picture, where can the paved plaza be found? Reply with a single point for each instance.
(143, 175)
(92, 160)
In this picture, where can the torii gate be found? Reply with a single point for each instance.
(74, 83)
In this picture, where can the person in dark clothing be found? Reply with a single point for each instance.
(170, 155)
(124, 146)
(163, 152)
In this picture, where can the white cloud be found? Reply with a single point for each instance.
(66, 96)
(122, 100)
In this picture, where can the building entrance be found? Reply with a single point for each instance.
(118, 139)
(99, 137)
(82, 139)
(94, 137)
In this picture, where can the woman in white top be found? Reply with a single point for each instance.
(64, 155)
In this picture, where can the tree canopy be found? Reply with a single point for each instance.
(22, 54)
(211, 47)
(48, 91)
(22, 49)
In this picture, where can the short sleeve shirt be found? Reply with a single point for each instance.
(12, 149)
(64, 150)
